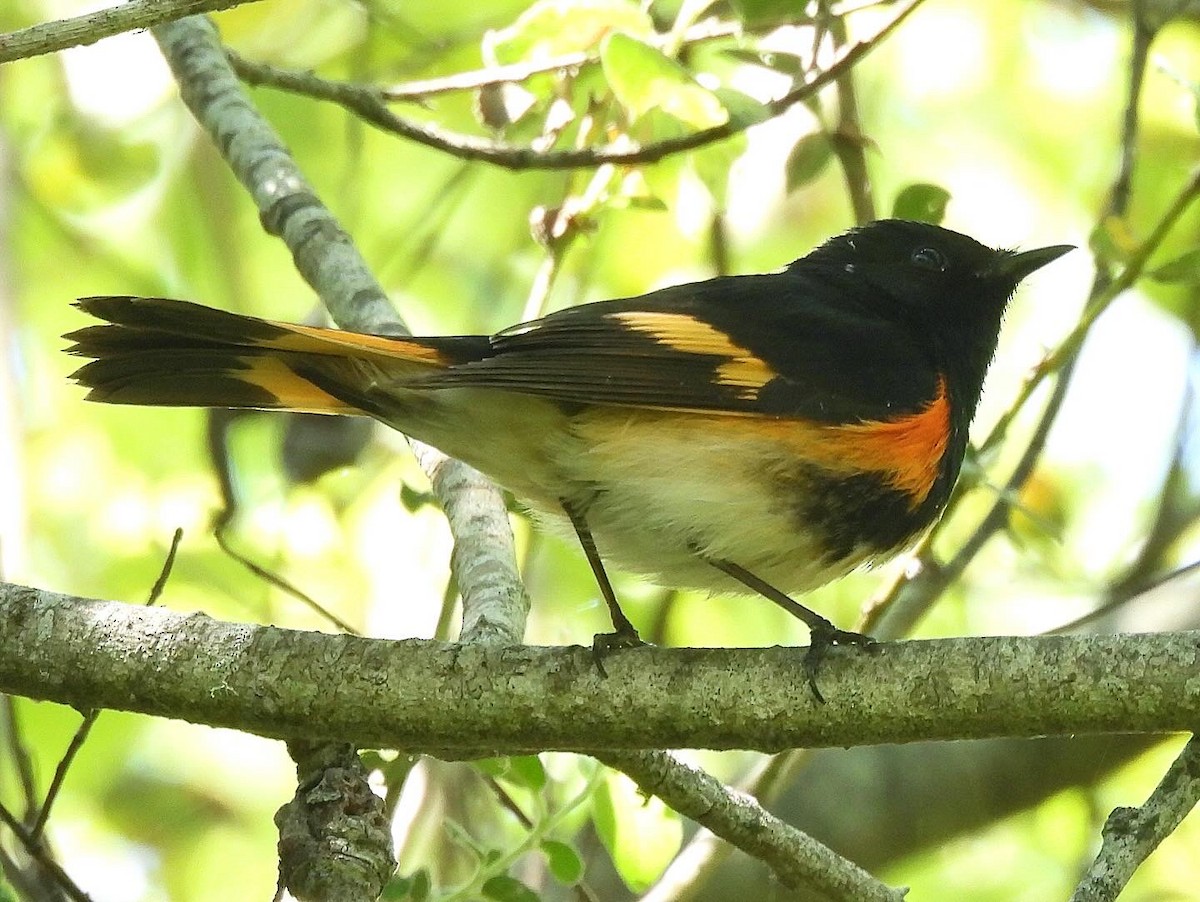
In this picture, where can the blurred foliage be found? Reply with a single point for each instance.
(1000, 120)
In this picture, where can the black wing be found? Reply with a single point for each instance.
(782, 344)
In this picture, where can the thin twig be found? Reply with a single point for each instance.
(1144, 33)
(23, 764)
(797, 859)
(513, 73)
(164, 573)
(48, 37)
(909, 599)
(507, 802)
(848, 140)
(35, 850)
(283, 585)
(60, 772)
(369, 104)
(90, 717)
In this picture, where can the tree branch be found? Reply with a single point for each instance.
(483, 699)
(48, 37)
(368, 103)
(327, 258)
(1131, 834)
(494, 605)
(796, 858)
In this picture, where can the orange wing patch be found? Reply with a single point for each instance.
(688, 335)
(291, 391)
(318, 340)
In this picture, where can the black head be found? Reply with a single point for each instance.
(949, 289)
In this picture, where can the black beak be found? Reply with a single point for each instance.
(1013, 267)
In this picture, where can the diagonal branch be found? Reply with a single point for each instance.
(1131, 834)
(369, 104)
(494, 603)
(797, 859)
(326, 257)
(911, 598)
(48, 37)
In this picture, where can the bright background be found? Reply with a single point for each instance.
(1013, 108)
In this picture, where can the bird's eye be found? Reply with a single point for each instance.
(929, 258)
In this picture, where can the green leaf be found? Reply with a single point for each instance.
(643, 78)
(921, 202)
(564, 861)
(774, 60)
(523, 770)
(527, 770)
(493, 767)
(1184, 269)
(808, 159)
(413, 888)
(759, 12)
(1111, 241)
(743, 109)
(552, 28)
(642, 835)
(712, 164)
(503, 888)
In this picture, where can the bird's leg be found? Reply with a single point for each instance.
(823, 633)
(624, 634)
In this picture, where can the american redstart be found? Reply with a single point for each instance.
(769, 432)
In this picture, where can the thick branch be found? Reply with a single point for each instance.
(48, 37)
(480, 699)
(326, 256)
(494, 606)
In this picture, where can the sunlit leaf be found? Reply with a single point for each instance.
(808, 159)
(758, 12)
(553, 28)
(503, 888)
(1112, 240)
(87, 169)
(563, 860)
(743, 109)
(774, 60)
(493, 767)
(921, 203)
(413, 888)
(645, 79)
(1185, 269)
(527, 770)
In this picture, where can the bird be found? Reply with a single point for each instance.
(759, 433)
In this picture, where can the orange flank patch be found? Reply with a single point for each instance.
(320, 340)
(291, 391)
(907, 450)
(688, 335)
(909, 447)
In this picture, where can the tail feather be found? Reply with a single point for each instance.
(206, 378)
(163, 352)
